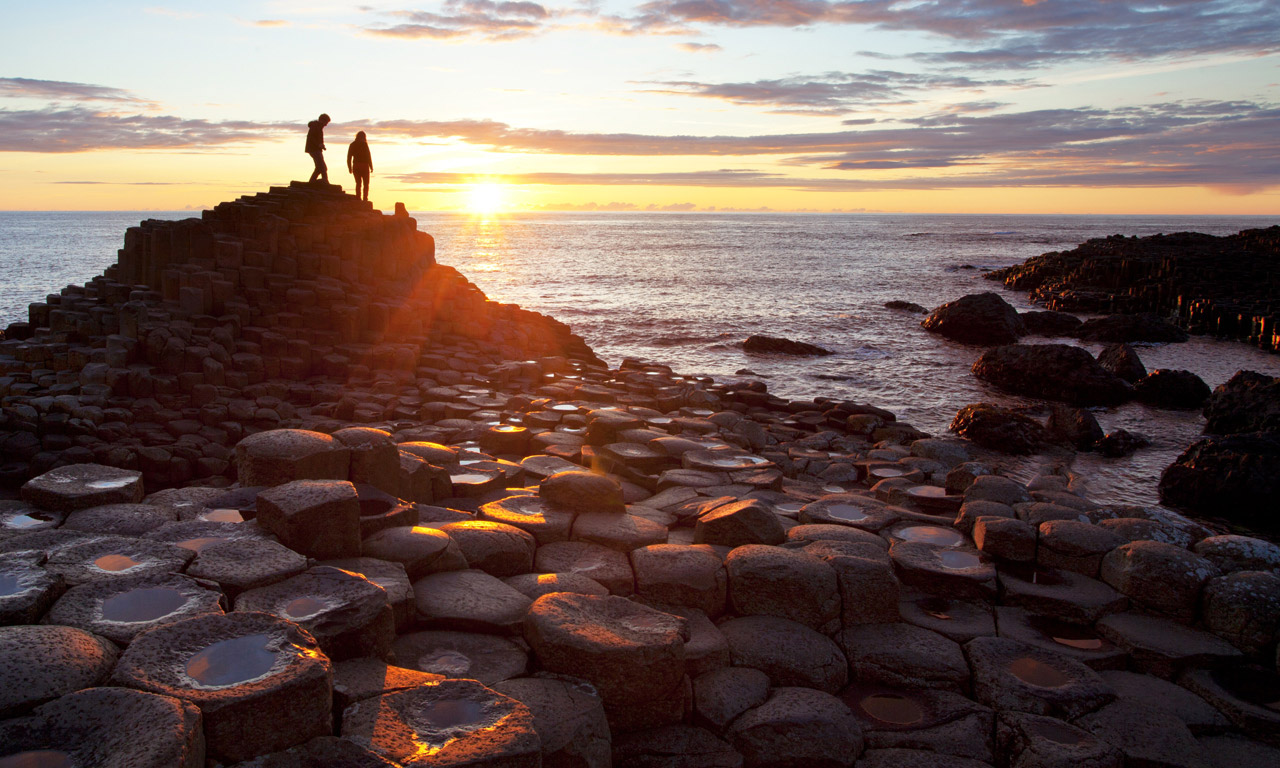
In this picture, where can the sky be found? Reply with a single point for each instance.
(946, 106)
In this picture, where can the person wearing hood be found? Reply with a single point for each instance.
(360, 164)
(315, 148)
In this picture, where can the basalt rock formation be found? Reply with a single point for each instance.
(1225, 286)
(557, 563)
(278, 309)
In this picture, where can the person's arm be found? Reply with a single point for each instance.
(350, 152)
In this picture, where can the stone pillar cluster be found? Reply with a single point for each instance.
(1225, 286)
(208, 329)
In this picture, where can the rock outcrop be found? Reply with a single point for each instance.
(1051, 371)
(758, 344)
(979, 318)
(1225, 286)
(1247, 402)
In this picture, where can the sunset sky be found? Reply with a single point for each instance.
(1013, 106)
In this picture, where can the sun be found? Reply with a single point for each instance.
(486, 198)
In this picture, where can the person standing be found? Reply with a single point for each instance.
(315, 148)
(360, 164)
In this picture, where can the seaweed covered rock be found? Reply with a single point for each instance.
(979, 318)
(1235, 476)
(757, 344)
(1052, 372)
(998, 428)
(1129, 328)
(1166, 388)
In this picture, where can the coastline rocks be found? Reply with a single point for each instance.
(1120, 443)
(1075, 427)
(790, 653)
(797, 727)
(78, 486)
(979, 318)
(1247, 402)
(998, 428)
(906, 306)
(569, 718)
(1129, 328)
(582, 492)
(757, 344)
(1235, 476)
(1163, 578)
(1164, 388)
(781, 582)
(316, 518)
(120, 609)
(904, 655)
(280, 456)
(1052, 372)
(1123, 361)
(1012, 676)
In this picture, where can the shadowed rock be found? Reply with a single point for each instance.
(758, 344)
(1247, 402)
(470, 601)
(1236, 477)
(1165, 388)
(26, 589)
(120, 609)
(279, 456)
(1012, 676)
(1001, 429)
(980, 318)
(317, 518)
(1129, 328)
(569, 718)
(107, 728)
(1050, 323)
(462, 655)
(1035, 741)
(1052, 372)
(40, 663)
(83, 485)
(1123, 361)
(797, 726)
(788, 652)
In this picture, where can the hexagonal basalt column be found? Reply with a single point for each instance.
(106, 728)
(26, 589)
(317, 518)
(260, 681)
(449, 723)
(120, 609)
(347, 613)
(83, 485)
(280, 456)
(630, 653)
(531, 514)
(117, 557)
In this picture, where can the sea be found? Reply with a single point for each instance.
(685, 289)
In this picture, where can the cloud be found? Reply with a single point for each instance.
(57, 90)
(699, 47)
(79, 129)
(1007, 33)
(459, 19)
(270, 23)
(833, 93)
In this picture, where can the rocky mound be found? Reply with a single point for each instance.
(1052, 371)
(1226, 286)
(979, 318)
(1247, 402)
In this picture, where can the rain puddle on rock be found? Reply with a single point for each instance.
(1070, 635)
(145, 604)
(222, 516)
(38, 758)
(447, 663)
(231, 662)
(116, 563)
(1059, 733)
(301, 608)
(957, 561)
(25, 521)
(198, 545)
(110, 483)
(892, 709)
(452, 713)
(1037, 673)
(788, 508)
(884, 472)
(10, 585)
(850, 513)
(469, 478)
(931, 534)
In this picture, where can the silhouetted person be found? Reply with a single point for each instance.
(359, 164)
(315, 147)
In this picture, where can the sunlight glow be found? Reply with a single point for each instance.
(486, 198)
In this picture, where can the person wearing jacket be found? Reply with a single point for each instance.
(360, 164)
(315, 148)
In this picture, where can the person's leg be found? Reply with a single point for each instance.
(318, 159)
(324, 169)
(362, 184)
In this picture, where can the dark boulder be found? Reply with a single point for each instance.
(1166, 388)
(1000, 429)
(979, 318)
(1121, 360)
(1128, 328)
(1075, 427)
(906, 306)
(1234, 476)
(758, 344)
(1121, 443)
(1053, 372)
(1247, 402)
(1050, 323)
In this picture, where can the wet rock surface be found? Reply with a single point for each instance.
(982, 318)
(516, 555)
(1053, 372)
